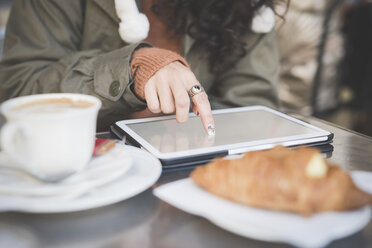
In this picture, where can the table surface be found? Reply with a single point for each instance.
(145, 221)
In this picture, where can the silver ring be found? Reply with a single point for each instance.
(196, 89)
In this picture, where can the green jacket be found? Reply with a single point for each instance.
(74, 46)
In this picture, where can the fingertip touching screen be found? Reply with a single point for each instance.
(242, 125)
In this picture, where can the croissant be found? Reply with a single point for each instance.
(298, 180)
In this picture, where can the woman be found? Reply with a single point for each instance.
(75, 46)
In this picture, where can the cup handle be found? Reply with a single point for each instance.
(10, 133)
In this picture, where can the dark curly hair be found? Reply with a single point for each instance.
(218, 25)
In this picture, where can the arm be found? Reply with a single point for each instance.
(42, 55)
(253, 81)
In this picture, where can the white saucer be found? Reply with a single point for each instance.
(143, 173)
(99, 171)
(275, 226)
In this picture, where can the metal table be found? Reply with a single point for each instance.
(144, 221)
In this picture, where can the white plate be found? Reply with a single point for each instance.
(315, 231)
(100, 170)
(143, 173)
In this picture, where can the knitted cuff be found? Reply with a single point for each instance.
(147, 61)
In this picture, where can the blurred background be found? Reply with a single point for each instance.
(326, 56)
(326, 60)
(4, 13)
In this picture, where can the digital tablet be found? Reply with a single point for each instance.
(238, 130)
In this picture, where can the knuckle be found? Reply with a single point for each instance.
(167, 109)
(202, 98)
(183, 103)
(149, 90)
(153, 108)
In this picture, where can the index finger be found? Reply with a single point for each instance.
(204, 108)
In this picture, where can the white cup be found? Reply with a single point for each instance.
(50, 135)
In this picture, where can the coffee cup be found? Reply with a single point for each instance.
(50, 136)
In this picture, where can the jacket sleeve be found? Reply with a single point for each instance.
(42, 55)
(254, 79)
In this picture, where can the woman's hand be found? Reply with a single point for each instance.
(167, 92)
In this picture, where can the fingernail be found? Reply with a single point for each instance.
(211, 130)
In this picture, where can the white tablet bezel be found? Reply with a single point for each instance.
(236, 148)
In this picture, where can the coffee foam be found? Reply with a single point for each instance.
(53, 105)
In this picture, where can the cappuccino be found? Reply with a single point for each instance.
(50, 135)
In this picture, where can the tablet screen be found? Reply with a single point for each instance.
(255, 125)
